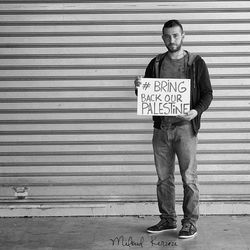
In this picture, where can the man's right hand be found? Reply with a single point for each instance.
(138, 81)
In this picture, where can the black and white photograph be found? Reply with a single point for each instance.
(124, 125)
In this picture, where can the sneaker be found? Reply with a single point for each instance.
(188, 231)
(162, 226)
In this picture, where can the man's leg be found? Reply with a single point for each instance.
(165, 166)
(165, 163)
(186, 147)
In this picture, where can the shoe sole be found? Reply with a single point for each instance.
(157, 232)
(188, 237)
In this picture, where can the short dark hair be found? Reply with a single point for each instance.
(172, 23)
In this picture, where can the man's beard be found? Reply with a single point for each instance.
(176, 49)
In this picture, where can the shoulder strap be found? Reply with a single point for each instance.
(158, 61)
(191, 57)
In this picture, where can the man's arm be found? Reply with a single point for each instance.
(206, 92)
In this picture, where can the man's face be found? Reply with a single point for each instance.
(173, 38)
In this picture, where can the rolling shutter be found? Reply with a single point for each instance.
(70, 140)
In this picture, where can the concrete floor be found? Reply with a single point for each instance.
(99, 233)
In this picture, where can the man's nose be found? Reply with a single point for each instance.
(172, 39)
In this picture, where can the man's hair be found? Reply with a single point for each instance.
(172, 23)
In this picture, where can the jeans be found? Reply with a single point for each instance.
(168, 142)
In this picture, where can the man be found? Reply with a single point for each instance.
(177, 135)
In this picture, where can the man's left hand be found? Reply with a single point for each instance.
(189, 116)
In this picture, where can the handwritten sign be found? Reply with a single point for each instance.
(163, 97)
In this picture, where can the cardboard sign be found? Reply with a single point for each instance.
(163, 97)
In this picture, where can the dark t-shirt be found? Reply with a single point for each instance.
(173, 68)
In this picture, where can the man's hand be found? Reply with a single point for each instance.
(189, 116)
(137, 81)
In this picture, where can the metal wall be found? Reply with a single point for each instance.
(69, 134)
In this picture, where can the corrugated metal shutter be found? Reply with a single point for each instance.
(69, 132)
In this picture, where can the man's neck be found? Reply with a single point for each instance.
(176, 55)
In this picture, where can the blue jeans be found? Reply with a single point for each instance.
(168, 142)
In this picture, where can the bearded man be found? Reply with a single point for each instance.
(177, 135)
